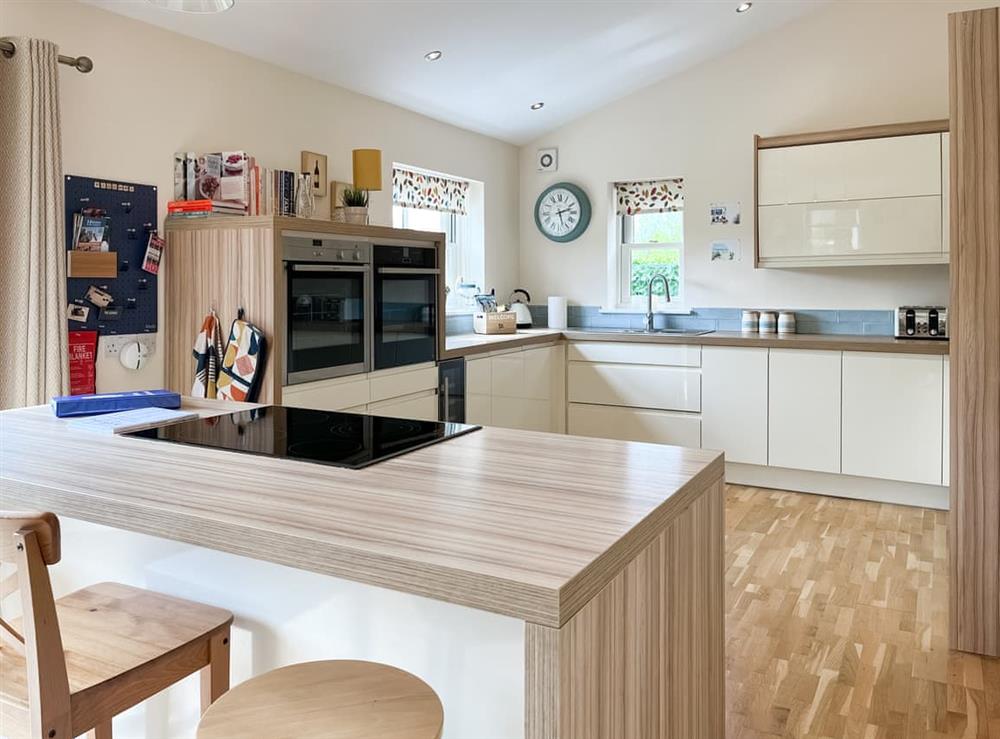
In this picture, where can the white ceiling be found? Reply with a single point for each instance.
(499, 57)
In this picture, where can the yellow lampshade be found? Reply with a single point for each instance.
(368, 169)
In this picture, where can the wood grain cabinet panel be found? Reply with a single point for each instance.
(734, 402)
(892, 426)
(804, 408)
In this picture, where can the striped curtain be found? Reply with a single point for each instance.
(33, 330)
(649, 196)
(413, 189)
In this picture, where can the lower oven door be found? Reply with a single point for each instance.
(405, 316)
(329, 321)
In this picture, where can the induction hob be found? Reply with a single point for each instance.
(326, 437)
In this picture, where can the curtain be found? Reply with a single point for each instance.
(413, 189)
(649, 196)
(33, 333)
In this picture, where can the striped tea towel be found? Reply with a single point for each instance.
(208, 358)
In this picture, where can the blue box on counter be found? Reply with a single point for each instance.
(88, 405)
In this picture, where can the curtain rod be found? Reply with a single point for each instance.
(82, 63)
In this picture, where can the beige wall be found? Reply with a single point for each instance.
(850, 64)
(154, 92)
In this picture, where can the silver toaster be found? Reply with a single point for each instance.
(922, 322)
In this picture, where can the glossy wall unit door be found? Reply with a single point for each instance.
(892, 425)
(867, 169)
(734, 402)
(862, 230)
(804, 407)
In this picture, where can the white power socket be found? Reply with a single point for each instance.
(113, 343)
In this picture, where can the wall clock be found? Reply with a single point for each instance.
(562, 212)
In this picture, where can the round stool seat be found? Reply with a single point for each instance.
(333, 699)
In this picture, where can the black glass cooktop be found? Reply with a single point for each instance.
(326, 437)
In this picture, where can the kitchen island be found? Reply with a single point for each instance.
(544, 585)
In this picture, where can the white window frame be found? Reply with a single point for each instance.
(620, 297)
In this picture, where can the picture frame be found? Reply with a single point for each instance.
(336, 199)
(315, 164)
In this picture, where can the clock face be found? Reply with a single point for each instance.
(562, 212)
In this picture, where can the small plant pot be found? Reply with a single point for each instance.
(356, 215)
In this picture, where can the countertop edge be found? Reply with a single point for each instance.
(525, 602)
(594, 577)
(827, 342)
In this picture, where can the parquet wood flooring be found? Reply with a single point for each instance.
(837, 624)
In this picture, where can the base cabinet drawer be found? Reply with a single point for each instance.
(328, 395)
(521, 413)
(421, 406)
(635, 385)
(623, 352)
(395, 384)
(634, 424)
(804, 410)
(892, 416)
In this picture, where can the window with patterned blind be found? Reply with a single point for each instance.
(430, 201)
(649, 242)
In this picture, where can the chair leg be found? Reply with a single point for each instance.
(101, 731)
(215, 677)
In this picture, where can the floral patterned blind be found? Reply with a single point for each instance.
(649, 196)
(412, 189)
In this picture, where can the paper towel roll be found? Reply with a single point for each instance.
(557, 312)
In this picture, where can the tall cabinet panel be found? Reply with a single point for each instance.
(804, 406)
(734, 402)
(974, 522)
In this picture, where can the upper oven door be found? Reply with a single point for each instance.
(329, 321)
(405, 316)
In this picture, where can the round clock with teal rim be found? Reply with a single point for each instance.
(562, 212)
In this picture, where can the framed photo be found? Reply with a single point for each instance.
(336, 199)
(315, 164)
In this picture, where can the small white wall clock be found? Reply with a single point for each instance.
(562, 212)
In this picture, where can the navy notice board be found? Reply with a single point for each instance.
(131, 209)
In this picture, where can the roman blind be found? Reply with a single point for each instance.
(415, 189)
(649, 196)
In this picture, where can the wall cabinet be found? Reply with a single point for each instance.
(870, 201)
(734, 402)
(892, 416)
(804, 406)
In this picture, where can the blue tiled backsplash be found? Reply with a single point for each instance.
(871, 322)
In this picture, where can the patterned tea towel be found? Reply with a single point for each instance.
(208, 358)
(243, 362)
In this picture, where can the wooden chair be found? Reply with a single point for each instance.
(68, 666)
(338, 699)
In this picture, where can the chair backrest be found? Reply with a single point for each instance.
(29, 543)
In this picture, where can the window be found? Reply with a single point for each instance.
(649, 241)
(428, 201)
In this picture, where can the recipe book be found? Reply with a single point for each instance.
(125, 422)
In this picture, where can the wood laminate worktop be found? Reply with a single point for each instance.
(469, 344)
(525, 524)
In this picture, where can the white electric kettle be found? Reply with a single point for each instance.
(521, 310)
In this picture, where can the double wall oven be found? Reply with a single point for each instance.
(355, 306)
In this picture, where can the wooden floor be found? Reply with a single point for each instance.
(837, 624)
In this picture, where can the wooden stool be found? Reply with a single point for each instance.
(335, 699)
(89, 656)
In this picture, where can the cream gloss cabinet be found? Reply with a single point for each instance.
(892, 416)
(734, 402)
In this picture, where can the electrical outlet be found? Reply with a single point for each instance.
(113, 344)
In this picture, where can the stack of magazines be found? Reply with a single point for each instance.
(91, 230)
(231, 182)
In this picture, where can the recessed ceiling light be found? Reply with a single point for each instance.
(743, 7)
(537, 106)
(194, 6)
(432, 56)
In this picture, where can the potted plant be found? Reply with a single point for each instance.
(355, 206)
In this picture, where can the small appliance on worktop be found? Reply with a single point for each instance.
(922, 322)
(325, 437)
